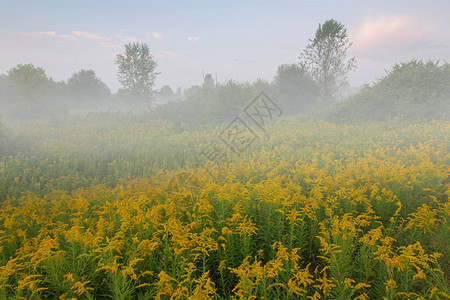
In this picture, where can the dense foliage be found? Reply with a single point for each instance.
(115, 208)
(85, 87)
(326, 60)
(137, 72)
(412, 90)
(416, 90)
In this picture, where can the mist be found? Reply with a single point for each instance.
(224, 151)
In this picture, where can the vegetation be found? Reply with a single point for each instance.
(414, 90)
(115, 208)
(84, 87)
(297, 91)
(331, 201)
(137, 72)
(326, 58)
(30, 86)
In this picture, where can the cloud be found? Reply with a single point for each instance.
(105, 42)
(89, 36)
(111, 45)
(170, 53)
(13, 40)
(156, 35)
(53, 34)
(389, 33)
(193, 38)
(41, 39)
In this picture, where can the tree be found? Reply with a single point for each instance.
(84, 86)
(297, 89)
(208, 81)
(30, 83)
(226, 102)
(166, 94)
(326, 58)
(137, 72)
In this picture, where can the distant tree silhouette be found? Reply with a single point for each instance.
(298, 91)
(137, 72)
(84, 86)
(325, 58)
(29, 83)
(208, 81)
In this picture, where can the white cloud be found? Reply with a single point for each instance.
(75, 35)
(53, 34)
(170, 53)
(48, 33)
(41, 39)
(89, 36)
(111, 45)
(389, 33)
(106, 42)
(156, 35)
(193, 38)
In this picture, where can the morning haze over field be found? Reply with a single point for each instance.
(235, 39)
(224, 150)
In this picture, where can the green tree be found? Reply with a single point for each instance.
(84, 86)
(165, 94)
(326, 58)
(298, 91)
(228, 99)
(30, 84)
(137, 72)
(208, 81)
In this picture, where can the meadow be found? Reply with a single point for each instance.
(116, 207)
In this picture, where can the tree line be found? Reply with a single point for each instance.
(312, 84)
(27, 89)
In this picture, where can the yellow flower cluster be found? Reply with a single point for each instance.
(311, 210)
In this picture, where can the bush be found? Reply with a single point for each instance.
(414, 90)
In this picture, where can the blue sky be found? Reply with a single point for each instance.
(241, 40)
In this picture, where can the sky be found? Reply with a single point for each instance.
(239, 40)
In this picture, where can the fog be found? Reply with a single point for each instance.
(76, 67)
(232, 150)
(327, 74)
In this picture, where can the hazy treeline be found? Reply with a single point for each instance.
(27, 91)
(415, 89)
(314, 85)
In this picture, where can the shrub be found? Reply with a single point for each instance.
(414, 90)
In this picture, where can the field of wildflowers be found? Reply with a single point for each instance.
(119, 209)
